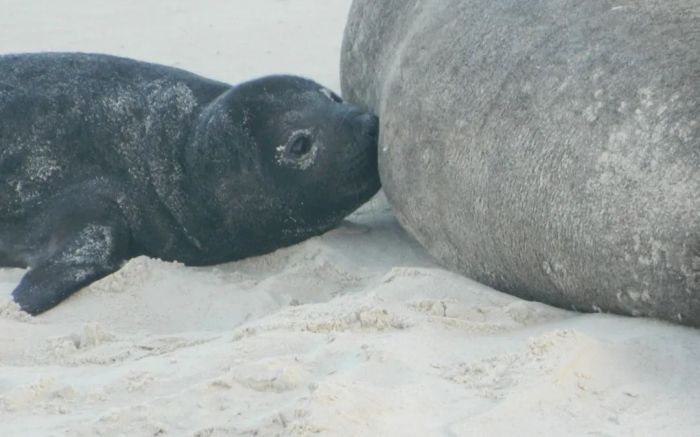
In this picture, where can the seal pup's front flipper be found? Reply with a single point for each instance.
(85, 255)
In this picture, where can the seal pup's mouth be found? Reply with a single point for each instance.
(362, 175)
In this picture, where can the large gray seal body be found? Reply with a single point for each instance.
(548, 148)
(104, 158)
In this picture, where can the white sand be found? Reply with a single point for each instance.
(354, 333)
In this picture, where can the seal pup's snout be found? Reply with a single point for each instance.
(367, 125)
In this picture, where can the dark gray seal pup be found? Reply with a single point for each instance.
(547, 148)
(103, 159)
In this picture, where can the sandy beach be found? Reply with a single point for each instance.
(353, 333)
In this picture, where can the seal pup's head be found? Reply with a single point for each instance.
(285, 155)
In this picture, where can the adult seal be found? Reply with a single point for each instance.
(547, 148)
(104, 158)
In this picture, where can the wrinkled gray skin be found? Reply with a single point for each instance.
(548, 148)
(103, 159)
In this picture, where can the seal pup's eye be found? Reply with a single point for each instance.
(299, 152)
(300, 145)
(331, 95)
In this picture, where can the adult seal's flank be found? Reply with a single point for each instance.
(547, 148)
(104, 158)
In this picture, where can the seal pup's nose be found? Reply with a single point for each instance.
(367, 125)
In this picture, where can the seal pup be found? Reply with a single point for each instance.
(104, 158)
(547, 148)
